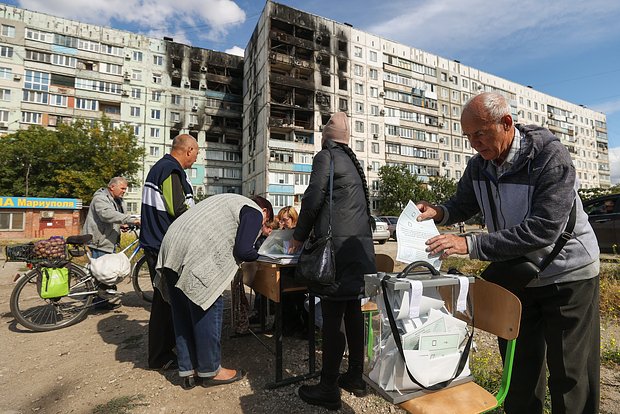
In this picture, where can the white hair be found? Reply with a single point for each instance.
(495, 105)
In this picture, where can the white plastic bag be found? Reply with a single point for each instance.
(110, 268)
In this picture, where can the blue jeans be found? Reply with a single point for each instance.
(197, 331)
(95, 253)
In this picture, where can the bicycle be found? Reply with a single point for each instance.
(39, 314)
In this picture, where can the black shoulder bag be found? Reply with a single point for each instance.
(515, 274)
(317, 262)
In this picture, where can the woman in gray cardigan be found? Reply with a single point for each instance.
(199, 256)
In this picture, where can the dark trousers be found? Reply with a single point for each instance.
(161, 329)
(334, 339)
(560, 330)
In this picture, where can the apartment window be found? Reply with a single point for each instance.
(136, 93)
(359, 107)
(136, 75)
(4, 115)
(134, 111)
(156, 96)
(38, 56)
(86, 104)
(373, 74)
(136, 130)
(137, 56)
(374, 129)
(37, 81)
(158, 60)
(155, 113)
(193, 119)
(359, 126)
(342, 104)
(373, 56)
(35, 97)
(38, 35)
(357, 51)
(154, 151)
(176, 99)
(375, 148)
(175, 117)
(359, 88)
(457, 158)
(157, 78)
(154, 132)
(88, 45)
(7, 30)
(12, 221)
(359, 146)
(5, 94)
(302, 179)
(112, 50)
(375, 166)
(111, 68)
(58, 100)
(358, 70)
(6, 51)
(374, 110)
(32, 117)
(374, 92)
(68, 61)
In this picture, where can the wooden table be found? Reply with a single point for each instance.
(269, 282)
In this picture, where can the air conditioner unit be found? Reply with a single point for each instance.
(381, 94)
(203, 68)
(319, 59)
(444, 164)
(441, 124)
(382, 112)
(3, 124)
(195, 107)
(375, 136)
(319, 38)
(452, 78)
(47, 214)
(187, 84)
(441, 140)
(17, 77)
(128, 55)
(203, 86)
(369, 167)
(124, 93)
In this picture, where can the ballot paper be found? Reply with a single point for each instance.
(275, 248)
(412, 237)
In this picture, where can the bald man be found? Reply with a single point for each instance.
(523, 181)
(167, 194)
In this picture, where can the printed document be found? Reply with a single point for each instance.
(275, 248)
(412, 237)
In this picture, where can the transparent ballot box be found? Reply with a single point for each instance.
(419, 331)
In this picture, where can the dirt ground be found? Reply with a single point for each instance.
(99, 366)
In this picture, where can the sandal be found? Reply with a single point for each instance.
(212, 382)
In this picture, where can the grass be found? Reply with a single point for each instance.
(120, 405)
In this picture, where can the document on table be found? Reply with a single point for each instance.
(412, 237)
(275, 248)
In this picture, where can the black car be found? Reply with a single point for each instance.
(604, 216)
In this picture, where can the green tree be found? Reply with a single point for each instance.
(397, 187)
(73, 161)
(441, 189)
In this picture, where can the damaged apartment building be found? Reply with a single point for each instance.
(404, 106)
(258, 119)
(55, 70)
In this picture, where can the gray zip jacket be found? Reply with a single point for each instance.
(532, 201)
(104, 221)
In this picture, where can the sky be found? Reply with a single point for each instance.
(569, 49)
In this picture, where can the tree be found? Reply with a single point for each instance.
(73, 161)
(441, 189)
(398, 186)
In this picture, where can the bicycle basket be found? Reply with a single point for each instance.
(20, 253)
(54, 249)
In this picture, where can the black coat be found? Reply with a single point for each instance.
(352, 235)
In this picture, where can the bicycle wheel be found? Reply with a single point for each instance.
(141, 279)
(38, 314)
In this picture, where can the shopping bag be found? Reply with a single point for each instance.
(110, 268)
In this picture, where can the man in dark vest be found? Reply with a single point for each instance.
(166, 195)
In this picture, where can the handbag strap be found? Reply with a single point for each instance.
(331, 189)
(564, 237)
(397, 340)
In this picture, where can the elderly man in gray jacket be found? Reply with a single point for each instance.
(106, 215)
(523, 180)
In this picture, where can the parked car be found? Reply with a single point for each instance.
(381, 233)
(391, 222)
(604, 216)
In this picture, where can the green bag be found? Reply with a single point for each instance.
(54, 282)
